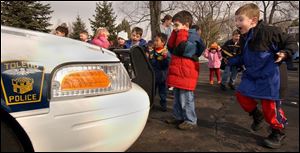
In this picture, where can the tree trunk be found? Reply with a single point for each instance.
(265, 11)
(275, 3)
(155, 11)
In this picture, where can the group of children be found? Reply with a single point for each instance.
(102, 34)
(261, 50)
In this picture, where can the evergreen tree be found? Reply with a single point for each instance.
(77, 27)
(31, 15)
(124, 26)
(104, 17)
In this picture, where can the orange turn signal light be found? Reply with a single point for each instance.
(87, 79)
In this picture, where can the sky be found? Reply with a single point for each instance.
(66, 11)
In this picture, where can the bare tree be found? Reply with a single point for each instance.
(211, 16)
(147, 11)
(155, 11)
(286, 10)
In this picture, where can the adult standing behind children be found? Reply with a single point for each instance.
(101, 38)
(159, 59)
(136, 39)
(185, 46)
(263, 49)
(166, 25)
(230, 48)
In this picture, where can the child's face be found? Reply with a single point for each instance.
(150, 47)
(178, 26)
(121, 41)
(199, 32)
(158, 43)
(83, 37)
(213, 50)
(244, 23)
(59, 33)
(236, 38)
(135, 37)
(169, 22)
(103, 33)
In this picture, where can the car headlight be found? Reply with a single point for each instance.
(89, 80)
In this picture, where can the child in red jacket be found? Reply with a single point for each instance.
(185, 46)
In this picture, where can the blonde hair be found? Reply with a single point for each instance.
(102, 29)
(250, 10)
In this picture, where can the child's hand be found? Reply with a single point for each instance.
(165, 55)
(281, 55)
(151, 56)
(219, 49)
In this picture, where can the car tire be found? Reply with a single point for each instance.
(9, 140)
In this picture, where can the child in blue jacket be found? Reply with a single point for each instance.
(159, 59)
(263, 49)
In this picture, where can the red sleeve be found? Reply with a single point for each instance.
(182, 35)
(172, 39)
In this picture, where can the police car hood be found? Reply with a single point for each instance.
(47, 49)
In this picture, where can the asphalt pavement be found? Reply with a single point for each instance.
(222, 124)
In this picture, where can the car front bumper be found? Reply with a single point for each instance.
(101, 123)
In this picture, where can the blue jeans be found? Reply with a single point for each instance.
(184, 106)
(162, 90)
(229, 70)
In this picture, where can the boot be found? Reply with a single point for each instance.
(223, 87)
(274, 140)
(257, 119)
(231, 85)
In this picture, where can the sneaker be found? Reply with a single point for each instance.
(173, 121)
(274, 140)
(219, 82)
(257, 119)
(186, 126)
(223, 87)
(232, 87)
(211, 82)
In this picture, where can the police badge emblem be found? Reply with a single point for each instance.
(21, 82)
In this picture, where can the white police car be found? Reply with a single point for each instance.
(59, 94)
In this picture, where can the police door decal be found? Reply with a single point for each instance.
(22, 83)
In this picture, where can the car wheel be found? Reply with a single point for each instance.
(9, 140)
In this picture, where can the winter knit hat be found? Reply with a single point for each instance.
(123, 35)
(214, 46)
